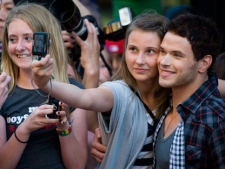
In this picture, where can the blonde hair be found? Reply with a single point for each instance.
(147, 22)
(40, 20)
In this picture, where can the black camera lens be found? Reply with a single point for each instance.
(69, 16)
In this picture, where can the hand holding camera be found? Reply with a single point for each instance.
(57, 107)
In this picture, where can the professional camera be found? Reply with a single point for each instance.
(70, 18)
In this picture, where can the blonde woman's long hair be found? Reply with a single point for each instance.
(40, 20)
(147, 21)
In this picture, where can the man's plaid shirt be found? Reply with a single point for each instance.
(203, 125)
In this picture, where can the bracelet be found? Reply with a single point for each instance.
(19, 139)
(64, 132)
(52, 77)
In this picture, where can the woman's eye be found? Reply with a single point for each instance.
(132, 49)
(29, 38)
(150, 51)
(12, 40)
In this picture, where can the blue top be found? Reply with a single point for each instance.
(124, 132)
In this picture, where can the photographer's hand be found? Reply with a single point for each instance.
(90, 52)
(4, 80)
(42, 71)
(67, 39)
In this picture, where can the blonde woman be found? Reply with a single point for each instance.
(29, 139)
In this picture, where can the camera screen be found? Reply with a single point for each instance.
(40, 44)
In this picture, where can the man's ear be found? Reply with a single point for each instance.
(205, 63)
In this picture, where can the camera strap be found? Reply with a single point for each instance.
(106, 64)
(146, 107)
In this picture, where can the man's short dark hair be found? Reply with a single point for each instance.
(201, 32)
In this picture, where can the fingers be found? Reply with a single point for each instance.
(92, 31)
(45, 109)
(92, 34)
(37, 119)
(97, 148)
(78, 40)
(4, 81)
(46, 61)
(68, 40)
(44, 66)
(42, 70)
(62, 117)
(63, 106)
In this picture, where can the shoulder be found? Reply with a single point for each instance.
(117, 86)
(216, 104)
(116, 83)
(211, 112)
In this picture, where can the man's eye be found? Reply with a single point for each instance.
(176, 55)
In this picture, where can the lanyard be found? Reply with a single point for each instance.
(146, 107)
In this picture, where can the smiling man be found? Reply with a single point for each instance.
(191, 134)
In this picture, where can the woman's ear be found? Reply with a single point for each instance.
(205, 63)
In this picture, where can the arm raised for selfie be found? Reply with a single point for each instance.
(97, 99)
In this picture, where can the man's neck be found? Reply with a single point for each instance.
(181, 93)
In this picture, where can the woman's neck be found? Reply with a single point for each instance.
(24, 80)
(147, 95)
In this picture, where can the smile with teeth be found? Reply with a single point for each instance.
(166, 73)
(22, 56)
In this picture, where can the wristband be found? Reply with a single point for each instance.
(19, 139)
(64, 132)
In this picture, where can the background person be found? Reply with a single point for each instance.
(5, 7)
(219, 67)
(115, 49)
(22, 142)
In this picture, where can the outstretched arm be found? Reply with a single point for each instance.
(98, 99)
